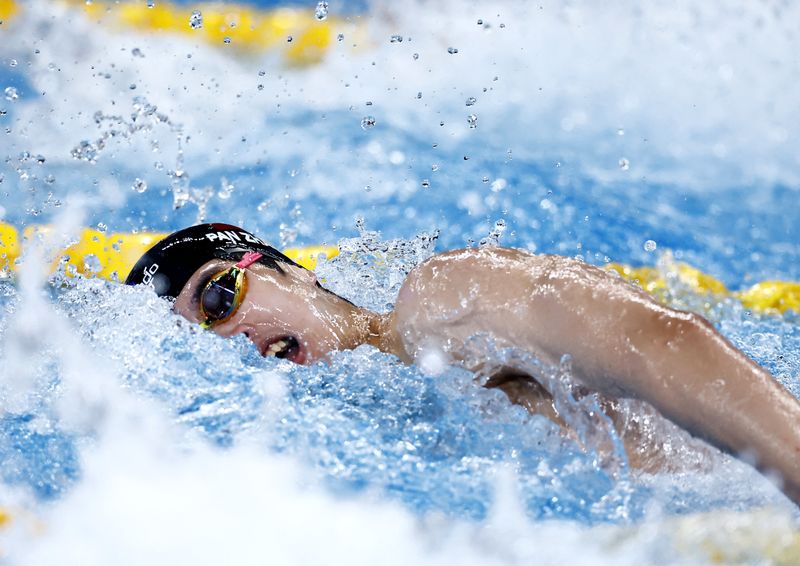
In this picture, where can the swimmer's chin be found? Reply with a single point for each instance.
(286, 347)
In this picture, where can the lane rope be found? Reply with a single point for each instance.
(111, 256)
(106, 255)
(296, 34)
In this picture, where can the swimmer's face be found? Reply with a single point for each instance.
(286, 315)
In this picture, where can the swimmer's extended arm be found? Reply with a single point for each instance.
(621, 341)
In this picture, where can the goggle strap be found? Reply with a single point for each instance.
(248, 259)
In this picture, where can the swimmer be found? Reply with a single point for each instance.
(621, 341)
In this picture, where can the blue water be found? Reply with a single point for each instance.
(292, 163)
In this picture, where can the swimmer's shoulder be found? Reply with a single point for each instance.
(468, 263)
(449, 275)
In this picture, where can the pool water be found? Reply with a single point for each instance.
(628, 133)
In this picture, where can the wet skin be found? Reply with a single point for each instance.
(288, 307)
(622, 343)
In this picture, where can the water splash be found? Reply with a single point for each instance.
(11, 94)
(321, 11)
(492, 239)
(196, 19)
(379, 266)
(144, 119)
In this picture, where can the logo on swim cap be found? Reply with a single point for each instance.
(170, 263)
(234, 236)
(148, 273)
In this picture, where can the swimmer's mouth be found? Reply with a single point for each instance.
(284, 348)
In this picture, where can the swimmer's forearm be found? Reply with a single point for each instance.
(625, 344)
(713, 390)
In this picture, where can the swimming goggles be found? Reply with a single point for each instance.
(223, 294)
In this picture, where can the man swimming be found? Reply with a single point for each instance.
(621, 341)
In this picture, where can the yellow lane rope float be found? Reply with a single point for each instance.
(111, 256)
(766, 296)
(302, 38)
(7, 9)
(297, 34)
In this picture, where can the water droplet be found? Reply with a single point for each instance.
(426, 183)
(321, 13)
(139, 185)
(472, 121)
(493, 238)
(340, 37)
(452, 50)
(91, 263)
(225, 189)
(498, 185)
(12, 63)
(650, 246)
(620, 132)
(132, 86)
(471, 101)
(85, 151)
(415, 56)
(396, 39)
(102, 227)
(419, 95)
(480, 22)
(289, 39)
(367, 122)
(624, 164)
(11, 93)
(226, 40)
(136, 52)
(260, 87)
(196, 19)
(485, 179)
(262, 73)
(435, 167)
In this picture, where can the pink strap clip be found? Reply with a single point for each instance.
(248, 259)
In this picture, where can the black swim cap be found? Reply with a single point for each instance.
(169, 264)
